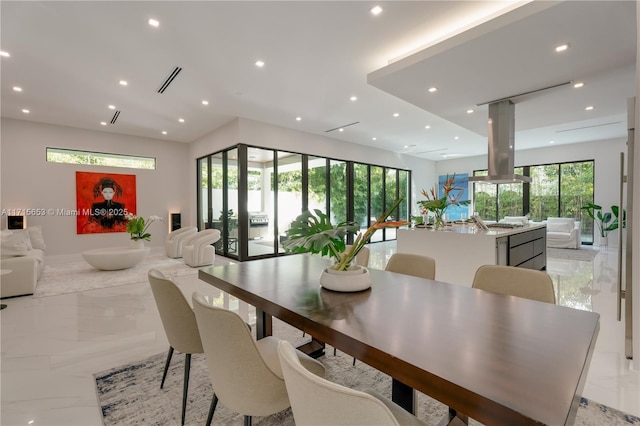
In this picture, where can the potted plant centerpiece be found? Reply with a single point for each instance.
(594, 211)
(312, 232)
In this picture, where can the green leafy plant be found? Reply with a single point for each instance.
(312, 232)
(451, 197)
(137, 226)
(602, 220)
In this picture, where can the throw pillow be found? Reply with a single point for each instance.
(25, 235)
(559, 227)
(37, 239)
(13, 245)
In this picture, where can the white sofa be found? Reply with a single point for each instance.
(563, 232)
(22, 253)
(517, 220)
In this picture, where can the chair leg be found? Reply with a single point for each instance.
(334, 351)
(166, 366)
(187, 368)
(212, 409)
(247, 420)
(354, 362)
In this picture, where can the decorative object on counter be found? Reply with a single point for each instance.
(314, 233)
(602, 220)
(138, 227)
(439, 205)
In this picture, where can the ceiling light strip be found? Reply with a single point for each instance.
(342, 127)
(169, 79)
(507, 98)
(115, 117)
(589, 127)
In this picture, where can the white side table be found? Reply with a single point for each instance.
(4, 272)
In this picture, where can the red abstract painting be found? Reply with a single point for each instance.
(103, 201)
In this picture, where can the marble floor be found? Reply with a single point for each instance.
(52, 346)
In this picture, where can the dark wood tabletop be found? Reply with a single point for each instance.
(498, 359)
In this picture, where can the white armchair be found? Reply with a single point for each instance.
(197, 249)
(563, 232)
(174, 241)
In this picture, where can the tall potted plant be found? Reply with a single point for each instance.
(312, 232)
(606, 222)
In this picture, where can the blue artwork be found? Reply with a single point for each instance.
(461, 183)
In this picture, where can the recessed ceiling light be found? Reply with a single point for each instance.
(376, 10)
(427, 127)
(552, 141)
(181, 120)
(298, 118)
(578, 85)
(353, 98)
(164, 132)
(562, 47)
(589, 108)
(433, 89)
(205, 102)
(103, 123)
(374, 139)
(341, 130)
(154, 22)
(123, 83)
(5, 54)
(17, 89)
(259, 64)
(469, 111)
(395, 114)
(456, 137)
(26, 111)
(112, 107)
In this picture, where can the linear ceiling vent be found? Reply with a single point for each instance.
(342, 127)
(115, 117)
(169, 79)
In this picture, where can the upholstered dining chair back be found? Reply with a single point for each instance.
(317, 401)
(174, 240)
(245, 373)
(362, 258)
(412, 264)
(520, 282)
(179, 323)
(177, 317)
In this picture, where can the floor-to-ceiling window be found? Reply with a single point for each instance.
(252, 194)
(555, 190)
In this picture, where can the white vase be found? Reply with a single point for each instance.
(355, 279)
(136, 244)
(603, 242)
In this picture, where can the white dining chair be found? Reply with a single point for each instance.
(317, 401)
(412, 264)
(179, 324)
(520, 282)
(245, 373)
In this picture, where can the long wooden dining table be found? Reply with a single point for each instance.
(499, 359)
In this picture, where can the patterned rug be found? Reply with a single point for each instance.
(131, 394)
(582, 254)
(79, 275)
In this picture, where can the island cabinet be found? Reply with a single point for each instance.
(460, 250)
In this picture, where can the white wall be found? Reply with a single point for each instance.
(29, 181)
(606, 155)
(265, 135)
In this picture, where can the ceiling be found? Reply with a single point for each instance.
(68, 58)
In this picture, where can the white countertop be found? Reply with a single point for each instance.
(474, 230)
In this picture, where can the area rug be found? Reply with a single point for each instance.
(131, 394)
(582, 254)
(79, 275)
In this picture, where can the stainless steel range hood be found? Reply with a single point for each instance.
(502, 122)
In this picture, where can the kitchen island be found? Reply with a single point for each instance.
(459, 250)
